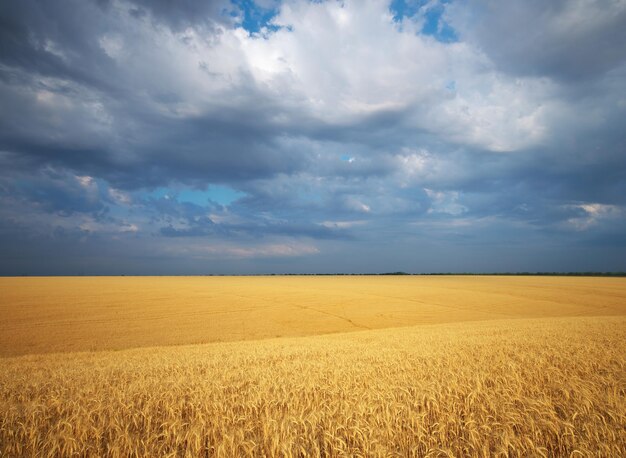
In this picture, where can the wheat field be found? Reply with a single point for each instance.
(61, 314)
(523, 376)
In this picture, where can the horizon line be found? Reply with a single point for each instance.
(340, 274)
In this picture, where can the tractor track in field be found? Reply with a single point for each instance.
(341, 317)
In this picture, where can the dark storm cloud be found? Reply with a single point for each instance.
(566, 39)
(182, 14)
(56, 192)
(204, 226)
(185, 219)
(135, 146)
(232, 144)
(55, 39)
(539, 190)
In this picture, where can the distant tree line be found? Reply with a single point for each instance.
(539, 274)
(527, 274)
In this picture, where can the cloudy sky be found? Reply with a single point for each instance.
(259, 136)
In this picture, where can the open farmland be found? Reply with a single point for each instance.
(460, 366)
(53, 314)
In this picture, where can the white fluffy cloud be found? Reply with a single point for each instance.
(337, 63)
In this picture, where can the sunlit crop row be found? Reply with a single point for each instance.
(519, 387)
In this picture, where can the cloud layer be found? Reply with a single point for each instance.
(298, 136)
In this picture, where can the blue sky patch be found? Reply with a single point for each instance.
(254, 16)
(347, 158)
(434, 24)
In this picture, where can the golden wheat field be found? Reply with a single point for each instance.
(364, 366)
(54, 314)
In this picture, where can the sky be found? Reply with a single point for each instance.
(152, 137)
